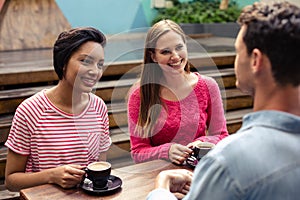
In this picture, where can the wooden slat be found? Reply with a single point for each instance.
(5, 123)
(200, 35)
(232, 116)
(212, 59)
(41, 69)
(234, 119)
(3, 154)
(109, 91)
(118, 118)
(120, 139)
(235, 99)
(119, 155)
(116, 91)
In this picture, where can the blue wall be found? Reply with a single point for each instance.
(112, 16)
(243, 3)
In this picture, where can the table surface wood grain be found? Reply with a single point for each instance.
(137, 182)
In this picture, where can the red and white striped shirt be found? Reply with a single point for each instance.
(51, 137)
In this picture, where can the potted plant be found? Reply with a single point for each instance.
(203, 16)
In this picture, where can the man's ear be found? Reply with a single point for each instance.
(256, 60)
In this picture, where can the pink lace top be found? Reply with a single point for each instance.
(199, 116)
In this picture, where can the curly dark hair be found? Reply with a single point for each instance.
(68, 42)
(274, 29)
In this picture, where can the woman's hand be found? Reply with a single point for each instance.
(67, 176)
(179, 153)
(16, 178)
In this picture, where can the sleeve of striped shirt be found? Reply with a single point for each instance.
(19, 136)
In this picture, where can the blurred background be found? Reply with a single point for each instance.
(115, 16)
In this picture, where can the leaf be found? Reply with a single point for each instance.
(199, 11)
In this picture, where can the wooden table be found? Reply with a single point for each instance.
(138, 181)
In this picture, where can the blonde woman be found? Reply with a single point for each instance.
(171, 107)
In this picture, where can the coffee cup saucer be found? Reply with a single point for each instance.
(113, 184)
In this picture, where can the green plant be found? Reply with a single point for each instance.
(199, 11)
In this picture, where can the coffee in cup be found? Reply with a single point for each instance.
(98, 173)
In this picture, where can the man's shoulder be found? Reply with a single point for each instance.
(237, 145)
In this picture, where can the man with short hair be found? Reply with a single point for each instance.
(260, 161)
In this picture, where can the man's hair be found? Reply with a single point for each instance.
(274, 29)
(68, 42)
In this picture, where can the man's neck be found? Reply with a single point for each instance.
(286, 99)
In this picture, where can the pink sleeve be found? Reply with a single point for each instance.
(141, 148)
(216, 122)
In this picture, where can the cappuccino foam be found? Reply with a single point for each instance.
(98, 166)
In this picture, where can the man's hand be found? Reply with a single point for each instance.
(177, 181)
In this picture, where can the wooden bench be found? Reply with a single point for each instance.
(35, 66)
(109, 90)
(114, 93)
(233, 100)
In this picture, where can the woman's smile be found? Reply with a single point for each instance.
(89, 82)
(176, 64)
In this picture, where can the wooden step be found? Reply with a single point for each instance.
(119, 154)
(120, 136)
(109, 91)
(3, 154)
(5, 123)
(233, 100)
(234, 119)
(35, 66)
